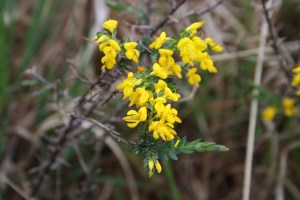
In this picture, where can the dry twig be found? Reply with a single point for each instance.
(253, 111)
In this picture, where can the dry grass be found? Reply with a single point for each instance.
(47, 64)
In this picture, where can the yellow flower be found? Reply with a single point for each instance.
(141, 69)
(269, 113)
(157, 166)
(168, 94)
(131, 53)
(166, 113)
(194, 78)
(163, 130)
(159, 41)
(101, 39)
(199, 43)
(140, 97)
(134, 117)
(160, 71)
(296, 70)
(213, 45)
(289, 107)
(159, 86)
(176, 70)
(158, 103)
(194, 27)
(206, 63)
(114, 45)
(296, 80)
(188, 51)
(167, 61)
(298, 92)
(128, 84)
(109, 58)
(177, 142)
(110, 25)
(109, 49)
(151, 164)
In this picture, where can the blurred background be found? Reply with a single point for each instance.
(48, 61)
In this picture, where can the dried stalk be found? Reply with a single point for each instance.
(253, 111)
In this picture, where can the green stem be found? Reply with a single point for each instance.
(170, 176)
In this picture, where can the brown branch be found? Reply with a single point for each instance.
(165, 20)
(201, 12)
(45, 170)
(111, 132)
(89, 177)
(274, 35)
(65, 131)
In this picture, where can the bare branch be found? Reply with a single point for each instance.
(282, 55)
(111, 132)
(165, 20)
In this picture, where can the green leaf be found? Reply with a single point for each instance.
(197, 145)
(173, 155)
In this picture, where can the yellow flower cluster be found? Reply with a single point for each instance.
(193, 49)
(151, 90)
(110, 47)
(289, 109)
(296, 80)
(288, 104)
(161, 117)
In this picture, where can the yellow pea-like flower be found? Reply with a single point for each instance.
(160, 71)
(140, 97)
(206, 63)
(114, 45)
(195, 26)
(158, 42)
(214, 45)
(188, 51)
(166, 113)
(200, 44)
(128, 85)
(150, 166)
(289, 107)
(132, 53)
(133, 117)
(193, 77)
(157, 166)
(163, 130)
(160, 85)
(110, 25)
(269, 113)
